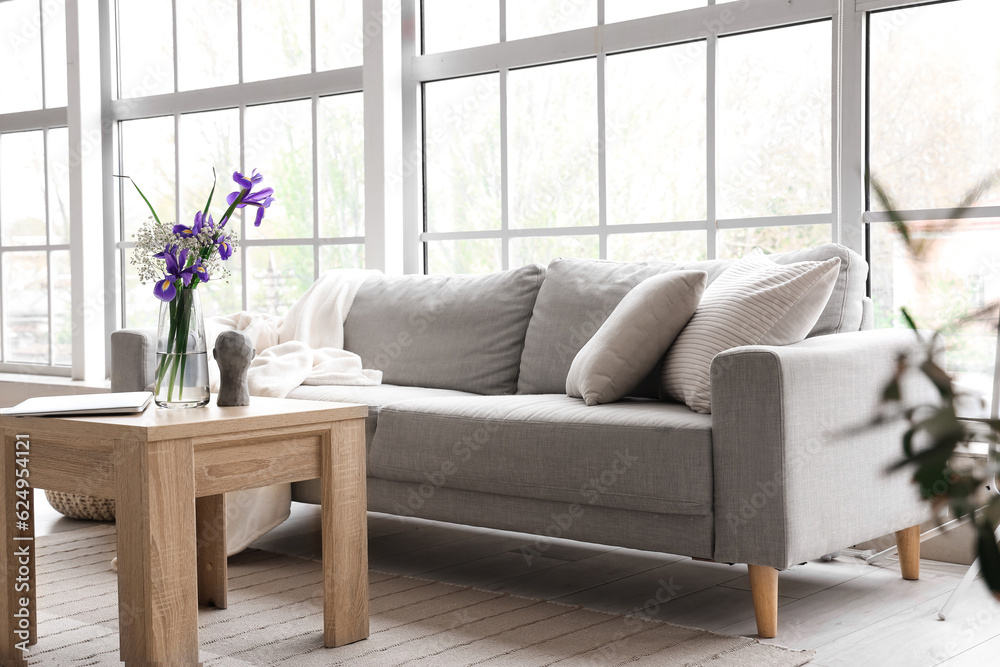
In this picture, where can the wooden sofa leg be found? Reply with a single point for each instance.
(764, 590)
(908, 544)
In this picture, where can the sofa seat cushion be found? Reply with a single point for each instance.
(636, 454)
(374, 396)
(446, 332)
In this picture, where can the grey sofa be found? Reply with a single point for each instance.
(472, 424)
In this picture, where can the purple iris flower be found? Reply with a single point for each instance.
(260, 199)
(199, 271)
(225, 247)
(166, 287)
(195, 229)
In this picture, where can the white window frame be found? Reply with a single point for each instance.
(44, 119)
(390, 81)
(311, 86)
(705, 23)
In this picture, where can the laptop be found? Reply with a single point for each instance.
(117, 403)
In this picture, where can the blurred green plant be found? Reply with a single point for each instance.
(935, 431)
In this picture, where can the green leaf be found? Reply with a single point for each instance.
(151, 210)
(909, 320)
(989, 556)
(232, 207)
(940, 378)
(892, 392)
(204, 213)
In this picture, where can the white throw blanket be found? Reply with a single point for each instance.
(306, 345)
(303, 347)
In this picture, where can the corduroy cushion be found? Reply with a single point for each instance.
(844, 311)
(634, 338)
(755, 302)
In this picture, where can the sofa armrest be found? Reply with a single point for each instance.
(133, 359)
(795, 476)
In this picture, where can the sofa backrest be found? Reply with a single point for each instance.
(845, 309)
(446, 332)
(577, 296)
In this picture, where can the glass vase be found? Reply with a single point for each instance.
(181, 353)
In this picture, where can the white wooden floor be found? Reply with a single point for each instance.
(851, 613)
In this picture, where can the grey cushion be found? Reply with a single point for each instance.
(755, 302)
(867, 314)
(636, 454)
(576, 298)
(634, 338)
(446, 332)
(844, 310)
(374, 397)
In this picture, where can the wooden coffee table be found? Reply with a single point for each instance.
(167, 471)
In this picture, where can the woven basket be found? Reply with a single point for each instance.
(76, 506)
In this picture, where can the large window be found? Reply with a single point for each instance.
(500, 132)
(265, 106)
(35, 308)
(934, 136)
(698, 145)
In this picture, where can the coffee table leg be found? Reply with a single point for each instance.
(157, 558)
(212, 564)
(17, 554)
(345, 535)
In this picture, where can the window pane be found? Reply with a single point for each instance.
(20, 56)
(655, 135)
(527, 18)
(54, 18)
(935, 120)
(462, 153)
(146, 48)
(62, 309)
(339, 36)
(341, 137)
(277, 277)
(26, 307)
(623, 10)
(687, 246)
(774, 122)
(58, 185)
(341, 257)
(222, 297)
(148, 157)
(208, 140)
(960, 275)
(279, 145)
(275, 38)
(141, 307)
(459, 24)
(22, 182)
(465, 256)
(206, 44)
(552, 159)
(735, 243)
(546, 248)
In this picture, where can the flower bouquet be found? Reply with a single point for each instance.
(179, 258)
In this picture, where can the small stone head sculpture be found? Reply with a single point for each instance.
(233, 352)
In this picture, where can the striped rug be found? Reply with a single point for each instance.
(275, 617)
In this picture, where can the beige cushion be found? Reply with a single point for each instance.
(634, 337)
(755, 302)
